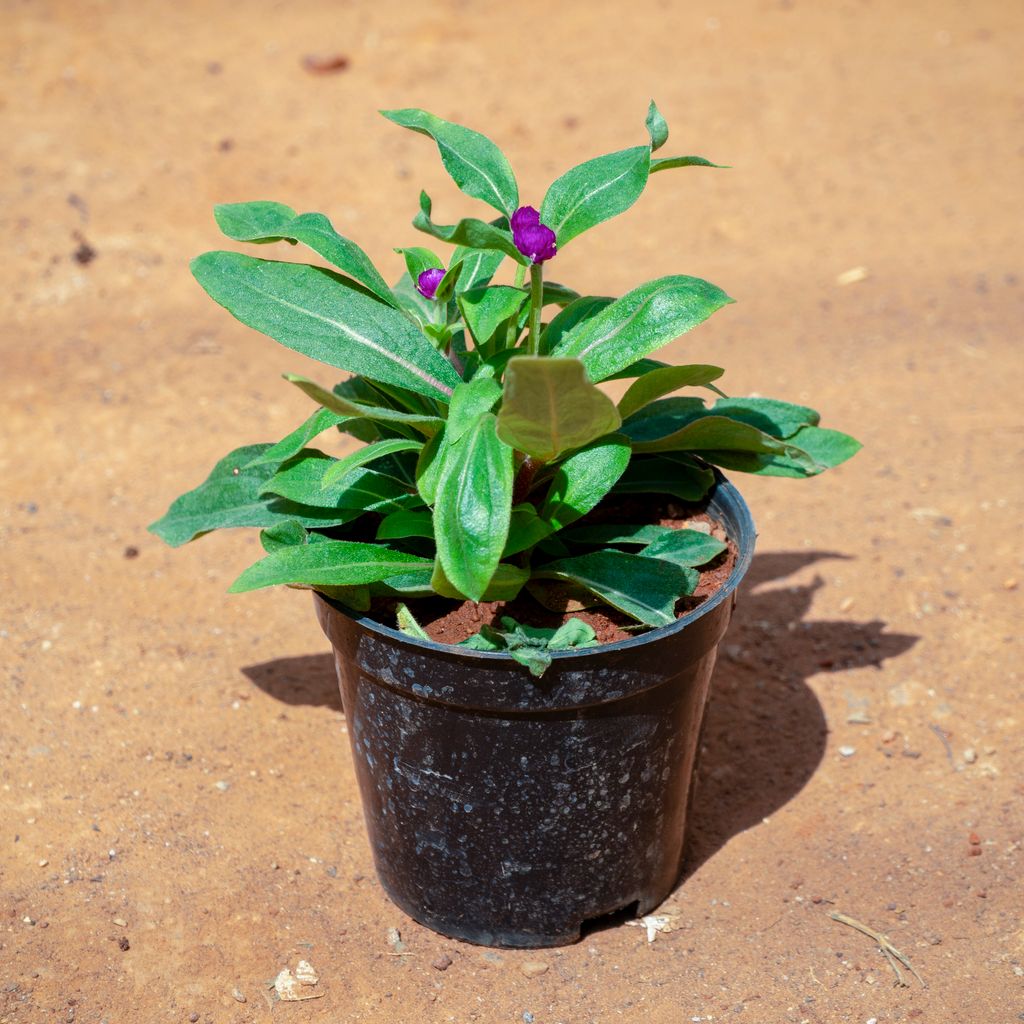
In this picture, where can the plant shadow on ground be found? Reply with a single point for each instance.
(765, 730)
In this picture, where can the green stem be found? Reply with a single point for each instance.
(513, 328)
(536, 303)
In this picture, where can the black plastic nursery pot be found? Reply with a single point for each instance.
(506, 810)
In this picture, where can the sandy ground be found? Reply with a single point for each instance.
(173, 762)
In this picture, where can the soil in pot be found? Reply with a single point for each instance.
(450, 622)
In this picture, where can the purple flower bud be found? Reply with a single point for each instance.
(533, 239)
(427, 282)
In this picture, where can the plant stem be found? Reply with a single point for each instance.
(513, 328)
(536, 302)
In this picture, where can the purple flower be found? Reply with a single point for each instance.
(534, 240)
(427, 282)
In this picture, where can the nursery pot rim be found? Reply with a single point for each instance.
(744, 540)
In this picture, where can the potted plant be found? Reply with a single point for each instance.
(535, 774)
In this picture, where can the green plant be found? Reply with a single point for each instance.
(485, 436)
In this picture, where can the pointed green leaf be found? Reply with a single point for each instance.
(429, 466)
(313, 312)
(584, 478)
(272, 222)
(666, 163)
(446, 286)
(473, 507)
(475, 163)
(637, 369)
(550, 407)
(362, 456)
(717, 433)
(657, 127)
(595, 191)
(645, 588)
(427, 425)
(407, 523)
(231, 496)
(660, 382)
(688, 548)
(332, 563)
(643, 320)
(469, 232)
(487, 308)
(827, 448)
(321, 420)
(302, 480)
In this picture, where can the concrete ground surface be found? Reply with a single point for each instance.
(178, 813)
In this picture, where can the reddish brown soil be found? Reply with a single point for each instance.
(450, 623)
(174, 769)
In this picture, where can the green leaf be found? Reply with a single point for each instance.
(487, 308)
(283, 535)
(332, 563)
(717, 433)
(478, 266)
(572, 634)
(429, 466)
(663, 417)
(826, 447)
(595, 191)
(473, 507)
(272, 222)
(583, 479)
(657, 127)
(688, 548)
(643, 320)
(525, 530)
(577, 312)
(446, 286)
(666, 163)
(404, 524)
(418, 259)
(549, 407)
(469, 232)
(554, 294)
(321, 420)
(231, 496)
(660, 382)
(504, 585)
(665, 475)
(780, 419)
(361, 456)
(417, 307)
(468, 402)
(355, 598)
(314, 312)
(427, 425)
(644, 588)
(407, 623)
(301, 479)
(475, 163)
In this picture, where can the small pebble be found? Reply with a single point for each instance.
(223, 786)
(442, 963)
(43, 863)
(847, 751)
(527, 1017)
(970, 755)
(124, 944)
(29, 920)
(1010, 584)
(120, 922)
(533, 968)
(974, 839)
(238, 996)
(973, 851)
(193, 1017)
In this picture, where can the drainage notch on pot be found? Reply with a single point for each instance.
(509, 811)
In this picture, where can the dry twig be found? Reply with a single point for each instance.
(885, 947)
